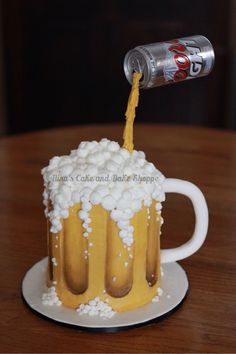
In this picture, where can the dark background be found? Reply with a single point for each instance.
(62, 62)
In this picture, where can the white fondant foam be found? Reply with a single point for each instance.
(96, 307)
(101, 173)
(50, 297)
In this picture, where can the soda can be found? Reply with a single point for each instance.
(171, 61)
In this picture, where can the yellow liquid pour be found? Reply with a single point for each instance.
(79, 278)
(130, 112)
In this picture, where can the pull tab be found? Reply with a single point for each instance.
(135, 64)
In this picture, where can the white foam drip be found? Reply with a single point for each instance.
(50, 297)
(156, 298)
(96, 307)
(67, 182)
(159, 291)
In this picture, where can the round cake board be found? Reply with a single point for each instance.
(174, 284)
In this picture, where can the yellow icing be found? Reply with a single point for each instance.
(81, 279)
(130, 112)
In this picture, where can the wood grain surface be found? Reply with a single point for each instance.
(206, 322)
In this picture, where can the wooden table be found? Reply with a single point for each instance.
(206, 322)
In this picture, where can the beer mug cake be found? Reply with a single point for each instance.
(103, 203)
(104, 235)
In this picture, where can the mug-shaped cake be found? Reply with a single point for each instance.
(103, 205)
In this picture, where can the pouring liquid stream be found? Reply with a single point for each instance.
(130, 112)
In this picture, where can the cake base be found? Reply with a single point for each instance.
(174, 284)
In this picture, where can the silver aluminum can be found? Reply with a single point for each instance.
(171, 61)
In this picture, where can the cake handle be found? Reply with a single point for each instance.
(173, 185)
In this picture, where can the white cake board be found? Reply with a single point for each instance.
(174, 284)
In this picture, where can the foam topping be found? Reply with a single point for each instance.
(101, 173)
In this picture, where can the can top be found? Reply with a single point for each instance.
(135, 62)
